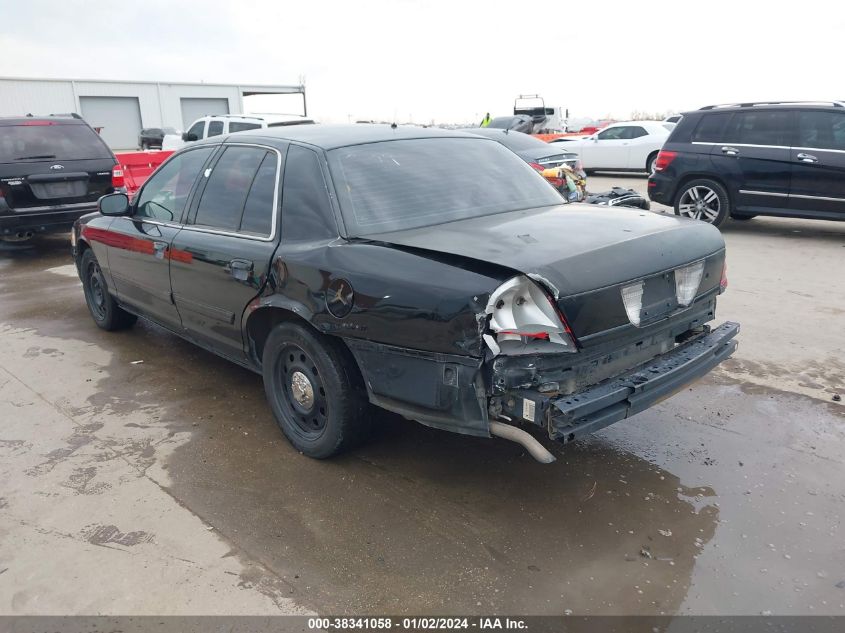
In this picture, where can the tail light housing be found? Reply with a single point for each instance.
(723, 282)
(687, 281)
(664, 159)
(537, 166)
(117, 179)
(523, 319)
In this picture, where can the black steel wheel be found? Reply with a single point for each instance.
(102, 306)
(314, 388)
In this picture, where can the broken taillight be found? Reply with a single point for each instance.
(723, 282)
(524, 319)
(537, 166)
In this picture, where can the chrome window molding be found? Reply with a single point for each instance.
(790, 195)
(200, 228)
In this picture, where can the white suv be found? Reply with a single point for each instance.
(217, 124)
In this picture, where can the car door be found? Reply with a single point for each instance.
(197, 131)
(139, 245)
(752, 155)
(608, 149)
(227, 245)
(818, 164)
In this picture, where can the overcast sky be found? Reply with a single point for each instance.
(449, 61)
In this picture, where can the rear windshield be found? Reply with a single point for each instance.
(517, 141)
(396, 185)
(50, 141)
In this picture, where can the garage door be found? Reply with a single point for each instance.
(120, 118)
(193, 109)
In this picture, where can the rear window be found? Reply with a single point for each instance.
(517, 141)
(240, 126)
(396, 185)
(50, 141)
(711, 128)
(759, 128)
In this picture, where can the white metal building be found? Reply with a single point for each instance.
(122, 108)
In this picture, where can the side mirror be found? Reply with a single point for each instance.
(114, 204)
(188, 137)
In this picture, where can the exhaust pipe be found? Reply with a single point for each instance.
(514, 434)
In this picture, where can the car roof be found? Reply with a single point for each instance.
(333, 136)
(23, 120)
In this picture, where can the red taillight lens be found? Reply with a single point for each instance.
(30, 123)
(117, 179)
(537, 166)
(543, 336)
(664, 159)
(723, 282)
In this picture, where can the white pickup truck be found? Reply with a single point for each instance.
(217, 124)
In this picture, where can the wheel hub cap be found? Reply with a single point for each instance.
(302, 390)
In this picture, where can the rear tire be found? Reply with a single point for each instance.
(703, 199)
(315, 391)
(101, 304)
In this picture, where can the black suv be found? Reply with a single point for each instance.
(53, 170)
(741, 160)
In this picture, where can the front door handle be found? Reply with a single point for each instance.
(730, 151)
(807, 158)
(240, 269)
(159, 249)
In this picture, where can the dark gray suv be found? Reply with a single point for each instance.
(742, 160)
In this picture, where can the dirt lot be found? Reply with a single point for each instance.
(142, 475)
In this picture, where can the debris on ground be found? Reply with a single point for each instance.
(665, 532)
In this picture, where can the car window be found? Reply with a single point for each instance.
(222, 203)
(396, 185)
(258, 210)
(197, 129)
(46, 140)
(712, 127)
(215, 128)
(240, 126)
(518, 141)
(306, 208)
(613, 133)
(165, 193)
(821, 130)
(758, 128)
(635, 131)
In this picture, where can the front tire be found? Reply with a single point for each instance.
(101, 304)
(314, 390)
(703, 199)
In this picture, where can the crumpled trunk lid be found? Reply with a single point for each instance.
(582, 254)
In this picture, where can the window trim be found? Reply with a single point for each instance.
(200, 228)
(183, 217)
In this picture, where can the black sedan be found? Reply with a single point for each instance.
(365, 265)
(152, 137)
(539, 154)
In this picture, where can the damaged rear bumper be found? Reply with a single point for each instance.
(569, 417)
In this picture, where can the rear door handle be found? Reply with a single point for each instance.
(807, 158)
(240, 269)
(730, 151)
